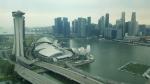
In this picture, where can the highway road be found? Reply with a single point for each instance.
(32, 76)
(72, 75)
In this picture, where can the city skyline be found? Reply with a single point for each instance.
(117, 52)
(42, 13)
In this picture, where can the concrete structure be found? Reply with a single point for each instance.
(19, 23)
(80, 78)
(32, 76)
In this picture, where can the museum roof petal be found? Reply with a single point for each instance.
(45, 39)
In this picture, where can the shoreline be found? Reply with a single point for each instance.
(103, 39)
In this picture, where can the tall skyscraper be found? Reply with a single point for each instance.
(133, 30)
(88, 27)
(61, 27)
(133, 18)
(82, 26)
(101, 24)
(58, 27)
(89, 20)
(119, 27)
(19, 25)
(75, 26)
(66, 27)
(123, 24)
(107, 20)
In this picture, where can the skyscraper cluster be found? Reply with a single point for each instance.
(82, 27)
(120, 29)
(61, 27)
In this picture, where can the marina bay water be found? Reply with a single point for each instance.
(110, 56)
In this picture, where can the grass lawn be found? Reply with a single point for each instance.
(135, 68)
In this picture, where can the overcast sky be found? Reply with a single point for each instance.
(42, 12)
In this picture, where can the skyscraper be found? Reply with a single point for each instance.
(120, 26)
(107, 20)
(75, 26)
(101, 24)
(66, 27)
(61, 27)
(58, 26)
(82, 26)
(88, 27)
(133, 30)
(19, 25)
(89, 20)
(123, 24)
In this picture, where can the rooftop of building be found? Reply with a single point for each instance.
(48, 49)
(17, 13)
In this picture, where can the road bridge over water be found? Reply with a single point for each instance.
(72, 75)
